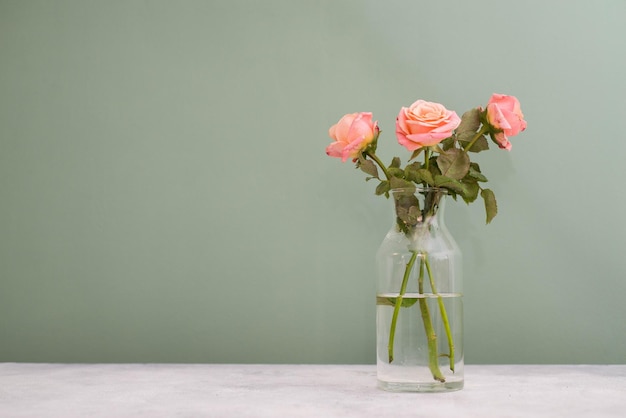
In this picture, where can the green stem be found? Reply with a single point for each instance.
(431, 336)
(444, 314)
(426, 158)
(398, 304)
(480, 133)
(380, 163)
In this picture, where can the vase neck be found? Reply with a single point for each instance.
(418, 211)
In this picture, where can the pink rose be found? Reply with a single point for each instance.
(352, 134)
(505, 115)
(425, 124)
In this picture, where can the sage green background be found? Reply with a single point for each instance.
(165, 195)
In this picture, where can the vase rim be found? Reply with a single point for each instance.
(421, 189)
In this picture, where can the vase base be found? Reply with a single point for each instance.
(421, 386)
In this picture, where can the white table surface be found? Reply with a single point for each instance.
(179, 390)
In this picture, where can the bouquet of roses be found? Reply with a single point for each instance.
(445, 140)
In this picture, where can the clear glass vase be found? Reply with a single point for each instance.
(419, 323)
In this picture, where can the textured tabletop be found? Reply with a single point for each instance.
(167, 390)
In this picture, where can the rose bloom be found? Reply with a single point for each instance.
(424, 124)
(505, 115)
(352, 134)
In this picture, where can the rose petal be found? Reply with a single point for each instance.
(503, 141)
(335, 149)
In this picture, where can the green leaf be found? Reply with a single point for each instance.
(491, 206)
(416, 153)
(454, 163)
(481, 144)
(395, 172)
(413, 172)
(447, 143)
(476, 175)
(406, 302)
(436, 148)
(465, 136)
(410, 171)
(408, 215)
(399, 183)
(433, 167)
(412, 175)
(395, 162)
(382, 188)
(449, 183)
(470, 193)
(407, 209)
(414, 165)
(470, 121)
(426, 176)
(368, 167)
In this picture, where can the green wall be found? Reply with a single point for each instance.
(165, 195)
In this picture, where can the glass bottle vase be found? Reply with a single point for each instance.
(419, 320)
